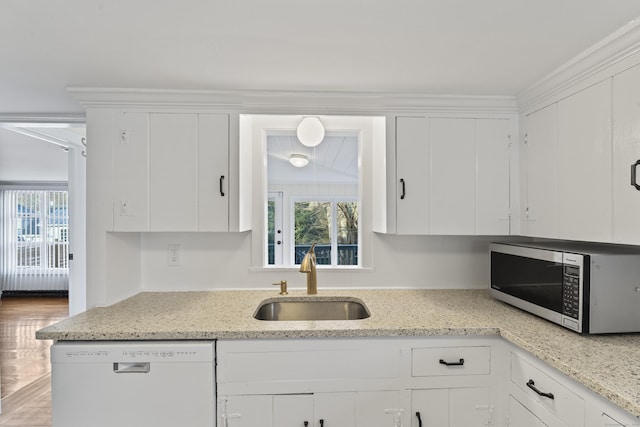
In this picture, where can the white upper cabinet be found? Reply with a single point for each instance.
(626, 155)
(452, 175)
(541, 207)
(213, 172)
(584, 160)
(452, 182)
(171, 172)
(412, 172)
(130, 172)
(493, 181)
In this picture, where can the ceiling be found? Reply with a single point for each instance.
(470, 47)
(333, 161)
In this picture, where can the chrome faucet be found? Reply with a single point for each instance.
(308, 265)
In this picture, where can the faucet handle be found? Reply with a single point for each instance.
(283, 287)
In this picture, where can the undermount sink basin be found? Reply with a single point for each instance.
(315, 309)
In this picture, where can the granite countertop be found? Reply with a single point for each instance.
(606, 364)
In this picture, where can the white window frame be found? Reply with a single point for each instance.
(334, 200)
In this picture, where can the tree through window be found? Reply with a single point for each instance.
(332, 225)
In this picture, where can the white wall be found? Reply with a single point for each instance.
(27, 159)
(223, 261)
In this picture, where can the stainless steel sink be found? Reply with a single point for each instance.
(315, 309)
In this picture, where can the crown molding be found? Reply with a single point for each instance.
(289, 102)
(611, 55)
(42, 118)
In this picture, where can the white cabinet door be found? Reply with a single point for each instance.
(335, 409)
(372, 408)
(469, 179)
(213, 172)
(130, 177)
(412, 171)
(519, 416)
(452, 176)
(492, 180)
(626, 152)
(470, 407)
(173, 178)
(430, 408)
(541, 207)
(584, 160)
(292, 410)
(457, 407)
(245, 411)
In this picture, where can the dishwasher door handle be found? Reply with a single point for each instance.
(131, 367)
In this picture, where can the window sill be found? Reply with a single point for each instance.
(346, 268)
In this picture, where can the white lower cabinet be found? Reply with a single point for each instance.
(434, 382)
(539, 395)
(519, 416)
(355, 409)
(451, 407)
(376, 382)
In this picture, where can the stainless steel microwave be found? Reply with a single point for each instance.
(588, 288)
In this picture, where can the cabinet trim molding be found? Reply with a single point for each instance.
(291, 102)
(611, 55)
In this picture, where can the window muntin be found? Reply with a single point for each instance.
(332, 225)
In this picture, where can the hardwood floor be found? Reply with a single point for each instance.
(24, 361)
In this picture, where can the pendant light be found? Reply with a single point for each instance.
(310, 131)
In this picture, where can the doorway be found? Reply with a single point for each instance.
(41, 153)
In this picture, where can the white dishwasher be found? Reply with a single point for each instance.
(127, 384)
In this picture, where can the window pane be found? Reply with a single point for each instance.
(347, 229)
(313, 225)
(42, 222)
(57, 226)
(271, 221)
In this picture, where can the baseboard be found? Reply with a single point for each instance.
(20, 294)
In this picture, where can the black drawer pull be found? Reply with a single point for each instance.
(419, 419)
(403, 188)
(533, 387)
(444, 362)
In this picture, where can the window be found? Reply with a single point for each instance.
(35, 239)
(316, 202)
(332, 225)
(344, 167)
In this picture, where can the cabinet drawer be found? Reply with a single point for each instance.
(312, 360)
(450, 361)
(565, 404)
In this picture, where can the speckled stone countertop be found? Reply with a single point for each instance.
(608, 364)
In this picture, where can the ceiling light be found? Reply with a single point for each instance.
(310, 131)
(299, 160)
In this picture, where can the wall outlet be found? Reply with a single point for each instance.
(174, 255)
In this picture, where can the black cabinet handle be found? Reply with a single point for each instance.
(634, 169)
(459, 363)
(419, 419)
(533, 387)
(403, 189)
(221, 181)
(321, 423)
(306, 423)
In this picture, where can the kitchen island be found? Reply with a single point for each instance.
(608, 365)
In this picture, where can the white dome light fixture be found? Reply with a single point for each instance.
(299, 160)
(310, 131)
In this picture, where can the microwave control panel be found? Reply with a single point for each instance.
(571, 291)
